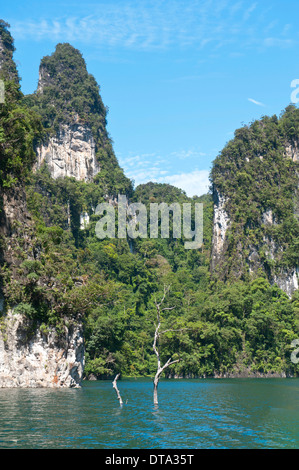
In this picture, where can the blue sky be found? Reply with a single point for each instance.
(178, 77)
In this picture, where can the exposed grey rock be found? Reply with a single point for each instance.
(39, 359)
(286, 279)
(292, 151)
(71, 152)
(84, 220)
(220, 226)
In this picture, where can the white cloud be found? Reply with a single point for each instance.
(152, 25)
(194, 183)
(248, 12)
(183, 154)
(258, 103)
(142, 170)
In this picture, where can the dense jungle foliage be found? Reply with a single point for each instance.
(213, 327)
(258, 180)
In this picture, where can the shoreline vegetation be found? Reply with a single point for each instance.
(241, 375)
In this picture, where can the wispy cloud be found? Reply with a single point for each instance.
(152, 167)
(279, 42)
(258, 103)
(152, 25)
(249, 11)
(184, 154)
(143, 168)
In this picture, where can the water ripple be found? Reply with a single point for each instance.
(192, 414)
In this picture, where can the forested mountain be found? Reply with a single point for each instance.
(255, 187)
(232, 306)
(76, 141)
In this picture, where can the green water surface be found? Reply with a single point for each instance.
(192, 414)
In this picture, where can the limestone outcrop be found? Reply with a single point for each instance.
(32, 354)
(250, 256)
(71, 152)
(33, 357)
(220, 226)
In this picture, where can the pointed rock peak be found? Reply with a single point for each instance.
(69, 101)
(66, 92)
(74, 116)
(8, 68)
(66, 61)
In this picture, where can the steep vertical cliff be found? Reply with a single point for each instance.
(33, 357)
(63, 290)
(33, 350)
(255, 190)
(70, 152)
(77, 143)
(70, 148)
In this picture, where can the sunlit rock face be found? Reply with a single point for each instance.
(71, 152)
(220, 225)
(39, 358)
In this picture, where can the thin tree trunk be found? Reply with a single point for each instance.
(116, 389)
(156, 349)
(157, 378)
(156, 381)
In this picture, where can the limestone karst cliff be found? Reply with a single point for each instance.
(70, 152)
(44, 293)
(33, 352)
(255, 191)
(70, 149)
(71, 300)
(76, 143)
(33, 357)
(7, 65)
(286, 278)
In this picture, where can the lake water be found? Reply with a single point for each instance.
(192, 414)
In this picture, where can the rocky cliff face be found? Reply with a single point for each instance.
(2, 51)
(71, 152)
(220, 225)
(33, 358)
(72, 109)
(32, 355)
(292, 151)
(251, 253)
(76, 143)
(286, 279)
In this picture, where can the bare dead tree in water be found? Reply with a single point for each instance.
(160, 368)
(116, 389)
